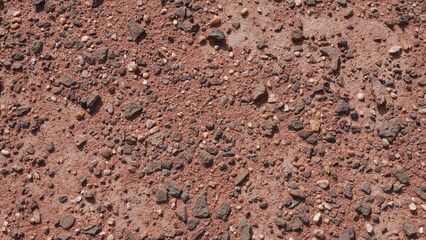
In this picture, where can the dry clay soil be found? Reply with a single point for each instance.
(162, 119)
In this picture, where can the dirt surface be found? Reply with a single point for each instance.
(216, 119)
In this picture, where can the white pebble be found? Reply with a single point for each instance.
(412, 207)
(369, 228)
(360, 96)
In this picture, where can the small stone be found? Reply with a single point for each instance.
(409, 229)
(360, 96)
(244, 229)
(366, 187)
(317, 218)
(259, 91)
(79, 141)
(334, 55)
(91, 229)
(390, 129)
(323, 183)
(216, 36)
(318, 233)
(223, 211)
(160, 196)
(315, 125)
(36, 218)
(401, 175)
(369, 228)
(132, 109)
(101, 55)
(172, 189)
(240, 178)
(395, 49)
(132, 67)
(412, 207)
(182, 214)
(342, 107)
(106, 152)
(347, 234)
(200, 208)
(67, 221)
(363, 208)
(136, 30)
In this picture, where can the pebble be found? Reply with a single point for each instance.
(132, 67)
(395, 49)
(323, 183)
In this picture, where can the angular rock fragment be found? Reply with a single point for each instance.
(136, 30)
(401, 174)
(334, 55)
(240, 178)
(244, 229)
(390, 129)
(200, 208)
(347, 234)
(259, 91)
(223, 211)
(378, 91)
(132, 109)
(216, 36)
(67, 221)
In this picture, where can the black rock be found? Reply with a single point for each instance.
(216, 36)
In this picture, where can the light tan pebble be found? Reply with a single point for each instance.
(323, 183)
(216, 20)
(315, 125)
(394, 49)
(244, 11)
(132, 66)
(369, 228)
(385, 143)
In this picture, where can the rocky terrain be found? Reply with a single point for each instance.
(212, 119)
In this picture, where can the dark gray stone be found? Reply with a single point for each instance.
(172, 189)
(67, 81)
(401, 175)
(206, 158)
(390, 129)
(223, 211)
(101, 55)
(136, 30)
(363, 208)
(91, 229)
(342, 107)
(216, 36)
(67, 221)
(200, 208)
(132, 109)
(347, 234)
(409, 229)
(160, 196)
(295, 125)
